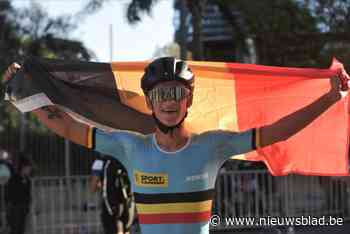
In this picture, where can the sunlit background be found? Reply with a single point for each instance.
(298, 33)
(130, 42)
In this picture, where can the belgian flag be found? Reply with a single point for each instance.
(226, 96)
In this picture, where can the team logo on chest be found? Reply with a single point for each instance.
(193, 178)
(150, 179)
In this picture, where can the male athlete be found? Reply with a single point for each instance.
(173, 171)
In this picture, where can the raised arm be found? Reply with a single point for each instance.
(293, 123)
(64, 125)
(56, 120)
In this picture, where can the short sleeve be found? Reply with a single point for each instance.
(117, 144)
(228, 144)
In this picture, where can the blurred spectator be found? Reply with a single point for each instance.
(18, 195)
(109, 176)
(6, 170)
(6, 167)
(96, 175)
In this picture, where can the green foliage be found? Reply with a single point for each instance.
(285, 33)
(31, 32)
(333, 15)
(136, 7)
(274, 26)
(291, 32)
(44, 36)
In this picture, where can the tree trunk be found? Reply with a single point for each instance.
(183, 30)
(197, 8)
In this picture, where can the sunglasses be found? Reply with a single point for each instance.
(172, 93)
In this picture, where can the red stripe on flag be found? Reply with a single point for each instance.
(260, 71)
(320, 148)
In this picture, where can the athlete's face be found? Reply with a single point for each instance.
(169, 102)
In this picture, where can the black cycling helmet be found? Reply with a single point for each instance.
(166, 69)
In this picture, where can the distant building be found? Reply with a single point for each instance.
(218, 36)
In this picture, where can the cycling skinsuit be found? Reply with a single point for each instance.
(173, 190)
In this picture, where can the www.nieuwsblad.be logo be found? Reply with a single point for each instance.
(216, 220)
(144, 179)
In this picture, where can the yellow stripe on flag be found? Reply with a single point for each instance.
(128, 81)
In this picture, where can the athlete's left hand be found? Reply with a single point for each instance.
(340, 84)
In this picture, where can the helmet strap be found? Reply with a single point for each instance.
(167, 129)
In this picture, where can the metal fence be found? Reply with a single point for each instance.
(64, 204)
(258, 194)
(48, 153)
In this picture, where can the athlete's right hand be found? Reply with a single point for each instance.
(11, 70)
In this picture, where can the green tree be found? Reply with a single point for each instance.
(290, 32)
(10, 43)
(9, 39)
(45, 36)
(31, 32)
(276, 27)
(197, 7)
(134, 11)
(333, 18)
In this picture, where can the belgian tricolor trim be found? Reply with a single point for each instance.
(91, 136)
(256, 144)
(161, 208)
(257, 138)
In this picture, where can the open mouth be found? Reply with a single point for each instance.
(169, 111)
